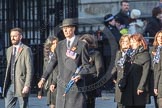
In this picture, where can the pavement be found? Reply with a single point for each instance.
(106, 101)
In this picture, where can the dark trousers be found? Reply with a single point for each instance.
(135, 106)
(91, 102)
(10, 99)
(156, 102)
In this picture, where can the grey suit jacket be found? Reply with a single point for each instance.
(23, 70)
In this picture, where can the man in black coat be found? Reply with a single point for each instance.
(154, 24)
(124, 13)
(69, 56)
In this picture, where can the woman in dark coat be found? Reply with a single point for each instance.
(96, 68)
(121, 63)
(157, 52)
(136, 94)
(49, 48)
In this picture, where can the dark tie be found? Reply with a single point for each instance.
(68, 44)
(13, 63)
(14, 51)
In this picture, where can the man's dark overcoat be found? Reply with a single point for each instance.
(76, 97)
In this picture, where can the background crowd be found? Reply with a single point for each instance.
(73, 67)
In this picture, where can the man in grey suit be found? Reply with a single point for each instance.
(69, 56)
(19, 71)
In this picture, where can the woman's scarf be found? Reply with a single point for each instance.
(51, 54)
(136, 51)
(124, 57)
(129, 56)
(156, 58)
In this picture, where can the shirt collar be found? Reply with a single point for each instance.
(17, 46)
(71, 40)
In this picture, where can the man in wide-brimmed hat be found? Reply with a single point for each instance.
(70, 54)
(69, 22)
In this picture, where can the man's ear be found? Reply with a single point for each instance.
(21, 37)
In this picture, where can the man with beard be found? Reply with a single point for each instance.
(124, 13)
(154, 24)
(19, 71)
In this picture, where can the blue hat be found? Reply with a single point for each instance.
(108, 17)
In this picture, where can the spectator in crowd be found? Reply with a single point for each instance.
(121, 66)
(49, 48)
(111, 39)
(124, 13)
(19, 71)
(120, 26)
(157, 52)
(136, 94)
(96, 68)
(110, 23)
(154, 24)
(70, 54)
(136, 25)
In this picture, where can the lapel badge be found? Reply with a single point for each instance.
(73, 48)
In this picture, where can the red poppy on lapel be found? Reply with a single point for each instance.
(73, 48)
(20, 49)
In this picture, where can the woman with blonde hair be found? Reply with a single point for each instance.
(136, 94)
(121, 66)
(157, 53)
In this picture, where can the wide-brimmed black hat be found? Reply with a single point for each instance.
(69, 22)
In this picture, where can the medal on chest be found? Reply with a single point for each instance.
(71, 53)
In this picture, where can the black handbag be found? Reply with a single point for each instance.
(122, 83)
